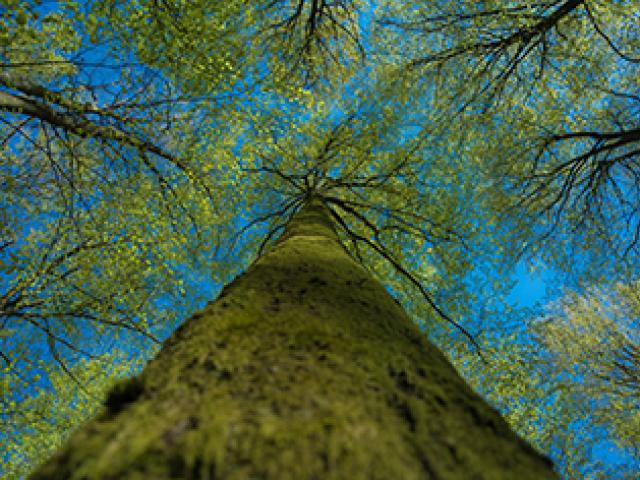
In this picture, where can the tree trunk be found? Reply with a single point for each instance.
(303, 368)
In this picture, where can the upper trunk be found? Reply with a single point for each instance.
(303, 368)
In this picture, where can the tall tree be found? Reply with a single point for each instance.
(304, 367)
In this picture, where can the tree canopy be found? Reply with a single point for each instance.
(150, 150)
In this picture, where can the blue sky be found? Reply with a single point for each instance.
(529, 291)
(530, 288)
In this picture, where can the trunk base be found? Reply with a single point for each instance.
(304, 368)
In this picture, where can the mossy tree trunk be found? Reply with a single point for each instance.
(303, 368)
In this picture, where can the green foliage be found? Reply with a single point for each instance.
(147, 143)
(569, 381)
(36, 421)
(39, 44)
(594, 339)
(195, 44)
(544, 96)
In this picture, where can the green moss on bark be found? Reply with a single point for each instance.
(303, 368)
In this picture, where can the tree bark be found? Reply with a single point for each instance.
(303, 368)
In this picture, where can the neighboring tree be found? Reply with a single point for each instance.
(569, 381)
(98, 176)
(556, 85)
(594, 339)
(37, 419)
(307, 39)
